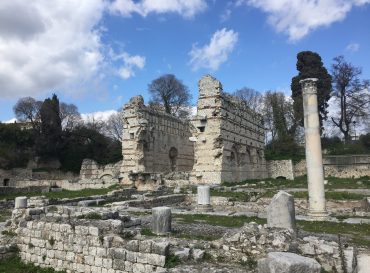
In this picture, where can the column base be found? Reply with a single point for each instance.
(318, 215)
(204, 208)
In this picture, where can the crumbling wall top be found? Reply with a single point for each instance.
(209, 86)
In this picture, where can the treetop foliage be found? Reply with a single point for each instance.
(310, 65)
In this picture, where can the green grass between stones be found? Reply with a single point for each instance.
(15, 265)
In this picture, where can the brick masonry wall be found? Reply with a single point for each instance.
(153, 141)
(85, 248)
(229, 138)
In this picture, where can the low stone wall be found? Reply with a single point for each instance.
(86, 248)
(280, 168)
(12, 190)
(6, 204)
(156, 201)
(342, 166)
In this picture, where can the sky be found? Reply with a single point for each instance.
(97, 54)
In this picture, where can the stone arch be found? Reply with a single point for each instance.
(6, 182)
(173, 153)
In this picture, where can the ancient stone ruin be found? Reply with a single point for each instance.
(223, 142)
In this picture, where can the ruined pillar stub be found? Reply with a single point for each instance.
(161, 220)
(315, 170)
(204, 198)
(281, 211)
(20, 202)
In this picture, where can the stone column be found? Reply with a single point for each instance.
(21, 202)
(161, 220)
(315, 170)
(204, 198)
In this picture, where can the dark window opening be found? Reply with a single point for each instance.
(6, 182)
(173, 158)
(201, 129)
(132, 135)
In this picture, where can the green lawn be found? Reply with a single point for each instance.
(301, 182)
(63, 193)
(15, 265)
(5, 215)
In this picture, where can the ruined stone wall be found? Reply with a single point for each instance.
(153, 141)
(86, 248)
(342, 166)
(280, 168)
(229, 138)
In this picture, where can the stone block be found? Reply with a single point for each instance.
(285, 262)
(281, 211)
(363, 263)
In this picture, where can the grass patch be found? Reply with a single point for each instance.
(301, 182)
(15, 265)
(5, 215)
(172, 261)
(329, 195)
(63, 193)
(217, 220)
(9, 233)
(358, 232)
(236, 196)
(91, 216)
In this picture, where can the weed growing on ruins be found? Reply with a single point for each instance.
(91, 216)
(237, 196)
(15, 265)
(250, 263)
(172, 261)
(9, 233)
(5, 215)
(51, 241)
(52, 209)
(147, 232)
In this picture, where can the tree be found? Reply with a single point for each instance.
(252, 98)
(310, 65)
(171, 92)
(27, 109)
(51, 128)
(69, 116)
(114, 126)
(351, 94)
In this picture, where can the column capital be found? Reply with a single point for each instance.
(309, 85)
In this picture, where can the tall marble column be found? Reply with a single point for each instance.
(315, 170)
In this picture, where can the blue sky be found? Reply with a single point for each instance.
(97, 54)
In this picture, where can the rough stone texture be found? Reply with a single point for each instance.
(223, 142)
(229, 138)
(281, 211)
(280, 168)
(285, 262)
(153, 142)
(161, 220)
(100, 175)
(20, 202)
(86, 248)
(343, 166)
(363, 263)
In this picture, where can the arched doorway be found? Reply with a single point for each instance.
(173, 158)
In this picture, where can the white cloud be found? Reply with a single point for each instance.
(186, 8)
(130, 63)
(298, 18)
(353, 47)
(98, 116)
(212, 55)
(48, 44)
